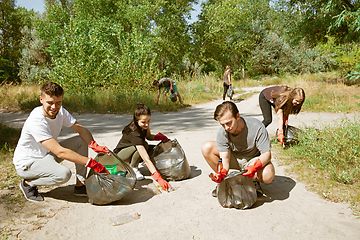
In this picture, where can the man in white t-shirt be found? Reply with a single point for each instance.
(242, 143)
(38, 154)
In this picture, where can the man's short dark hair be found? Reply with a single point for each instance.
(52, 89)
(223, 107)
(155, 82)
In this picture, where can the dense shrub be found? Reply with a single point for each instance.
(275, 56)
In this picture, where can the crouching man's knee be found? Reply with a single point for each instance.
(266, 174)
(63, 175)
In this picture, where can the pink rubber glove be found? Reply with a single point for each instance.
(98, 167)
(218, 177)
(251, 170)
(281, 136)
(99, 149)
(164, 184)
(160, 137)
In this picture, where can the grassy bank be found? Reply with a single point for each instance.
(324, 92)
(328, 161)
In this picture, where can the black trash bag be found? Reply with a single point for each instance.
(291, 135)
(170, 160)
(103, 188)
(230, 91)
(237, 191)
(173, 97)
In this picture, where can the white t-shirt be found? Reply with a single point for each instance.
(38, 128)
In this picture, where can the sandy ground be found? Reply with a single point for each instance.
(190, 212)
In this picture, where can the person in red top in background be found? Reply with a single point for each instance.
(285, 100)
(133, 147)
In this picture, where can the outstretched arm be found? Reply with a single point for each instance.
(64, 153)
(83, 132)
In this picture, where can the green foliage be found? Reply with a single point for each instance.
(34, 62)
(8, 138)
(354, 76)
(275, 56)
(114, 44)
(333, 150)
(12, 19)
(227, 31)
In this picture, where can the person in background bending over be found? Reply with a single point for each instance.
(243, 144)
(38, 154)
(227, 81)
(133, 147)
(169, 85)
(285, 100)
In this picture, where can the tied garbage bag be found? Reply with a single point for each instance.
(291, 135)
(103, 188)
(230, 91)
(170, 160)
(236, 191)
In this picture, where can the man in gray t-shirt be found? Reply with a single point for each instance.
(242, 143)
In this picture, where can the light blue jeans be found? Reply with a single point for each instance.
(48, 171)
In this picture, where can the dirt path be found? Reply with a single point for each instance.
(189, 212)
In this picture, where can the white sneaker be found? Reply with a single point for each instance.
(138, 174)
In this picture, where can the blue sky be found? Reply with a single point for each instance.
(36, 5)
(39, 6)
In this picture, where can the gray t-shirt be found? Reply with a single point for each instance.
(249, 143)
(164, 82)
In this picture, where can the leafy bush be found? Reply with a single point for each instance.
(354, 76)
(334, 150)
(275, 56)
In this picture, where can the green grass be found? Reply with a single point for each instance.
(328, 160)
(324, 93)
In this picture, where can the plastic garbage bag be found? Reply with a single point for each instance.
(291, 135)
(236, 191)
(103, 188)
(230, 91)
(173, 97)
(170, 160)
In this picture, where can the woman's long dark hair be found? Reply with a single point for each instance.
(141, 109)
(285, 97)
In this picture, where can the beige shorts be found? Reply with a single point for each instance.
(239, 164)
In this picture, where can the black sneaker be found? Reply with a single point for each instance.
(30, 193)
(80, 191)
(259, 191)
(214, 193)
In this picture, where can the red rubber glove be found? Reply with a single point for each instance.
(171, 87)
(218, 177)
(251, 170)
(98, 167)
(160, 137)
(164, 184)
(286, 121)
(94, 146)
(281, 136)
(157, 102)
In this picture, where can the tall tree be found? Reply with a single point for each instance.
(227, 30)
(12, 20)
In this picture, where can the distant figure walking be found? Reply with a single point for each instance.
(227, 81)
(285, 100)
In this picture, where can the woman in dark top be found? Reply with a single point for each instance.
(285, 100)
(226, 81)
(133, 147)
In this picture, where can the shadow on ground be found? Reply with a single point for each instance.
(278, 190)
